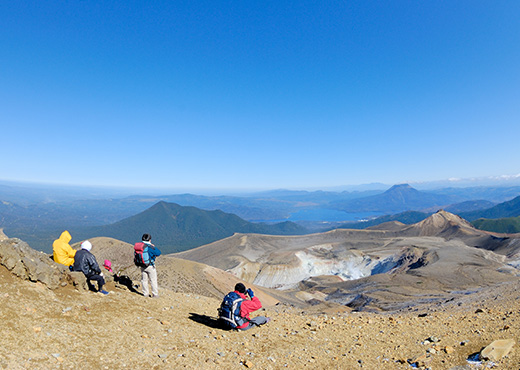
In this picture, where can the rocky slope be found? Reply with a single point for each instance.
(434, 260)
(48, 325)
(67, 328)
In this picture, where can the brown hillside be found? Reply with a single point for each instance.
(435, 260)
(66, 328)
(173, 273)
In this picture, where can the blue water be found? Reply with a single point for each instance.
(330, 215)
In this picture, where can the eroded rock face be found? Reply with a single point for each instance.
(29, 264)
(346, 265)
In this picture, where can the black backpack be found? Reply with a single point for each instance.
(229, 311)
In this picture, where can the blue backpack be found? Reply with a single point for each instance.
(141, 255)
(229, 311)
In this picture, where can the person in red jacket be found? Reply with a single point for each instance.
(248, 306)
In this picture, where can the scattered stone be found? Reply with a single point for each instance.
(37, 329)
(432, 339)
(449, 350)
(497, 349)
(248, 364)
(420, 361)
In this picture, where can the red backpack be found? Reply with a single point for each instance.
(141, 255)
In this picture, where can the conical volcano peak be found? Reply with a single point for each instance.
(400, 187)
(444, 216)
(441, 222)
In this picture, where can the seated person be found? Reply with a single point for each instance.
(248, 306)
(85, 262)
(62, 251)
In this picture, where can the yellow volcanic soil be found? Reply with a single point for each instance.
(66, 328)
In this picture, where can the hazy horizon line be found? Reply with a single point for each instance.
(500, 180)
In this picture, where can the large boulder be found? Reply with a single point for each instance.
(29, 264)
(498, 349)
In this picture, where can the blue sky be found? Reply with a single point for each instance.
(258, 95)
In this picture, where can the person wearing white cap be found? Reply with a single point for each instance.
(86, 262)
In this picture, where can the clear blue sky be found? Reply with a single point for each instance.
(257, 95)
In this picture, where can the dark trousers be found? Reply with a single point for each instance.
(100, 281)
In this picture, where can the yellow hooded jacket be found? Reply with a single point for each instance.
(63, 252)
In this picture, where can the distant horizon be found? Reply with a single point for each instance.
(502, 180)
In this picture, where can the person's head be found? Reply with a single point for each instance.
(146, 237)
(241, 288)
(65, 236)
(86, 245)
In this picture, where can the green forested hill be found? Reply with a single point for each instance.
(175, 228)
(509, 225)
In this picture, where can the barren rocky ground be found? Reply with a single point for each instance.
(68, 328)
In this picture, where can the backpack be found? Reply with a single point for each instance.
(141, 255)
(229, 311)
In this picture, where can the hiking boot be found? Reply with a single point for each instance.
(103, 292)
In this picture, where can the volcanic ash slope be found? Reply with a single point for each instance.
(438, 259)
(65, 328)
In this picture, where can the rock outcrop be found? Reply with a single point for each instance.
(29, 264)
(2, 235)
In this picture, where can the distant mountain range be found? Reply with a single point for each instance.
(39, 220)
(498, 218)
(175, 228)
(398, 198)
(502, 218)
(507, 209)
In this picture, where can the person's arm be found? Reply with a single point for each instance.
(156, 251)
(250, 306)
(70, 252)
(93, 264)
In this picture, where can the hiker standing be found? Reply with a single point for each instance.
(62, 251)
(86, 262)
(148, 271)
(248, 306)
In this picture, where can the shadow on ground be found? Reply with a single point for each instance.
(212, 322)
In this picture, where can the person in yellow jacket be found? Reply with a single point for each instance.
(62, 251)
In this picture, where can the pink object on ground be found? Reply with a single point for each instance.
(108, 265)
